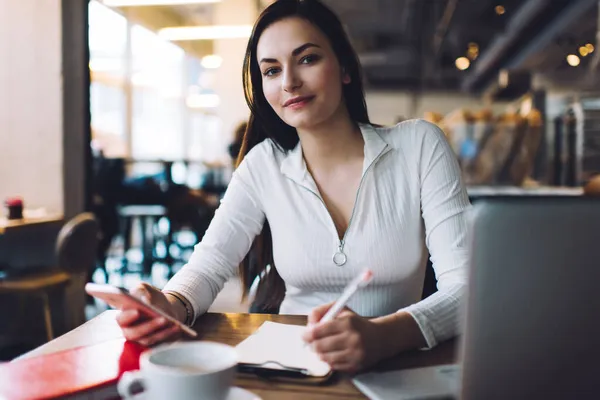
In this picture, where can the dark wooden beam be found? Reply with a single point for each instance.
(77, 159)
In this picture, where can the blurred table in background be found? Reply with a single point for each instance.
(30, 219)
(507, 191)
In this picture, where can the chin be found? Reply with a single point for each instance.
(301, 124)
(304, 121)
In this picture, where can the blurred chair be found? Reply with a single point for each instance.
(76, 247)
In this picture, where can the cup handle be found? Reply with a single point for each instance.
(128, 381)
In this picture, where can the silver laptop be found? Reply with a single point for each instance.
(532, 322)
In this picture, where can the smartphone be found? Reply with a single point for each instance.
(120, 298)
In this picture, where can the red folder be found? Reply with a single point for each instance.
(68, 372)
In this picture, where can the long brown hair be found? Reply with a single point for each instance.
(265, 123)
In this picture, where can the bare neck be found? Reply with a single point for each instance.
(338, 142)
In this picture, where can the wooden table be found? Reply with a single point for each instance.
(7, 225)
(232, 329)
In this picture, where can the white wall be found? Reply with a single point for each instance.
(386, 107)
(228, 78)
(31, 102)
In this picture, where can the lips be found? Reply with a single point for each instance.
(298, 101)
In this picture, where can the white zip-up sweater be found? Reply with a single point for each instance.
(411, 198)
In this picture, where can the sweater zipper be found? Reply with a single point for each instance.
(340, 258)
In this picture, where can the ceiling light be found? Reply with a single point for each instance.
(590, 48)
(573, 60)
(212, 61)
(500, 10)
(206, 32)
(473, 51)
(207, 100)
(503, 78)
(584, 51)
(462, 63)
(137, 3)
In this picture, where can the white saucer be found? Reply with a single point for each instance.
(237, 393)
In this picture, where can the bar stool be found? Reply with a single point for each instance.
(147, 215)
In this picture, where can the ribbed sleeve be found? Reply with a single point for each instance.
(237, 221)
(444, 201)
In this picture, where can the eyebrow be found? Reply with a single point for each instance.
(295, 52)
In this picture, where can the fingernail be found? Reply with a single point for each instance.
(162, 321)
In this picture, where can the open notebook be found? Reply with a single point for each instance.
(278, 349)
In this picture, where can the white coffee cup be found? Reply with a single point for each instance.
(182, 371)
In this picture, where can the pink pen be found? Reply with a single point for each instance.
(359, 282)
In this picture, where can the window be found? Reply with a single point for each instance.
(169, 118)
(107, 41)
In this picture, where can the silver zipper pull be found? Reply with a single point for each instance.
(339, 258)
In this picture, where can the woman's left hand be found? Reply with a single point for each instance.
(348, 343)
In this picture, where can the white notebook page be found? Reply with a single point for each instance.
(282, 343)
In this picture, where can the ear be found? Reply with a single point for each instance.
(345, 77)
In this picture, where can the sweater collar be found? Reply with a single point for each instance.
(294, 167)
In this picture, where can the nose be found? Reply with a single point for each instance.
(291, 81)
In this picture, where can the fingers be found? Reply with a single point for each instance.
(346, 360)
(322, 331)
(343, 323)
(339, 342)
(126, 318)
(317, 313)
(170, 332)
(336, 357)
(143, 291)
(138, 326)
(330, 344)
(147, 333)
(348, 367)
(139, 331)
(348, 343)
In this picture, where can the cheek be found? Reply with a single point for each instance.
(331, 79)
(271, 92)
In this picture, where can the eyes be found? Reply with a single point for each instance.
(306, 60)
(271, 71)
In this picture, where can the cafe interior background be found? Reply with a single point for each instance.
(128, 110)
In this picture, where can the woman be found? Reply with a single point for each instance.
(332, 195)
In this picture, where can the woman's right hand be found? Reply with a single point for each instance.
(145, 330)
